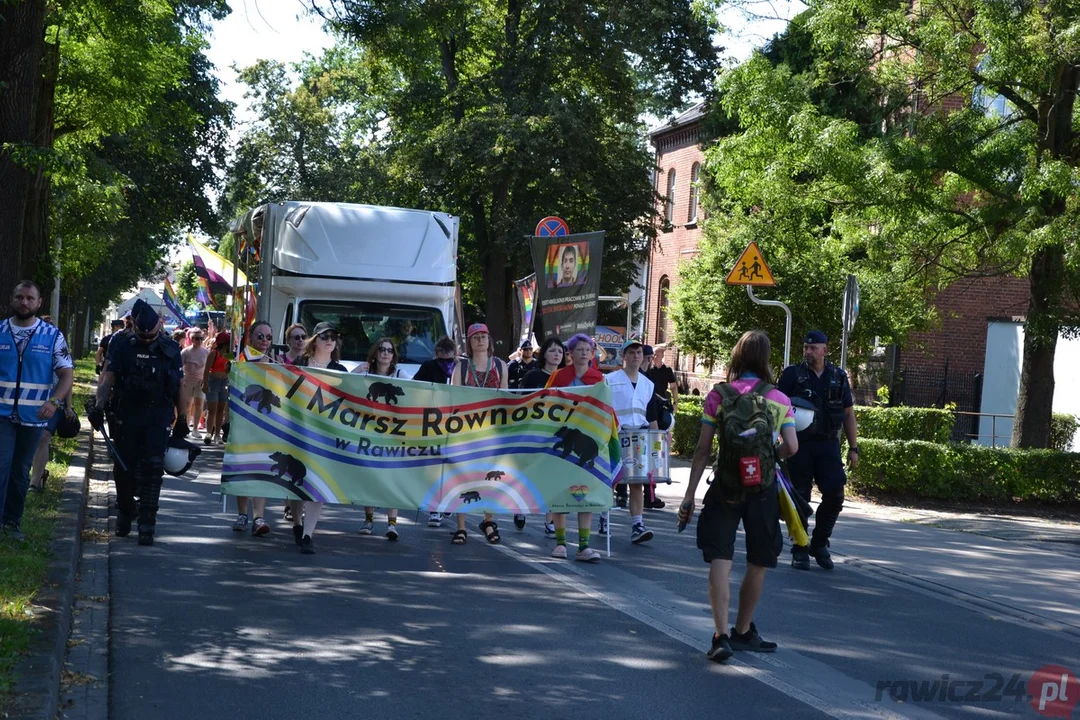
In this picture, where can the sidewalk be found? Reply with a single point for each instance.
(1023, 568)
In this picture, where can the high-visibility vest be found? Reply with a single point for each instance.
(26, 378)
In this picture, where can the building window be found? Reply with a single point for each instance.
(669, 202)
(695, 175)
(662, 310)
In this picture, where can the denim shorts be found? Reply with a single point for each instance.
(217, 390)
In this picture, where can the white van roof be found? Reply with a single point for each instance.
(341, 240)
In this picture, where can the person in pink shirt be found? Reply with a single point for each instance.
(724, 508)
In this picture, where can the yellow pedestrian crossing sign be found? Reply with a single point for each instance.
(751, 269)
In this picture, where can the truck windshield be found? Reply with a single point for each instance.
(413, 329)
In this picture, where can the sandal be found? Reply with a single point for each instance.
(459, 538)
(493, 536)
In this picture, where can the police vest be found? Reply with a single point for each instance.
(829, 417)
(630, 402)
(26, 378)
(151, 380)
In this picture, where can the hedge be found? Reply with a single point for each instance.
(1062, 430)
(905, 423)
(959, 471)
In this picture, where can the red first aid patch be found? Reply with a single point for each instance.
(750, 471)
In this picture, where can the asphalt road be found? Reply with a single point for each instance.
(214, 624)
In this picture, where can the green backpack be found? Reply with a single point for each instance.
(746, 460)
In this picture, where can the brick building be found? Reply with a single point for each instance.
(679, 159)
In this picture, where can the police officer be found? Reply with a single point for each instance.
(145, 366)
(818, 459)
(519, 368)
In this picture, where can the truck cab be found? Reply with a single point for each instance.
(372, 271)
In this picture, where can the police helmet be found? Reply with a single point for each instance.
(179, 456)
(804, 413)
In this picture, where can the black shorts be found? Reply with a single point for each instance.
(760, 517)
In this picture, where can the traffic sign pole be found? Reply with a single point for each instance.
(787, 323)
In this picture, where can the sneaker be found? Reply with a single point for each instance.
(751, 641)
(196, 435)
(307, 545)
(367, 528)
(286, 514)
(298, 533)
(219, 440)
(720, 650)
(559, 552)
(519, 522)
(260, 527)
(241, 523)
(207, 439)
(800, 558)
(549, 529)
(823, 558)
(434, 520)
(391, 533)
(146, 538)
(656, 504)
(587, 555)
(639, 534)
(603, 526)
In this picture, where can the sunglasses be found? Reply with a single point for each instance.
(297, 338)
(263, 336)
(328, 336)
(385, 349)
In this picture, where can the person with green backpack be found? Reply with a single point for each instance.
(747, 413)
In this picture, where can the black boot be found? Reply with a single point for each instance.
(146, 534)
(123, 523)
(225, 432)
(800, 557)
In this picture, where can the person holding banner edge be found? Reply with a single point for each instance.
(480, 369)
(552, 358)
(260, 336)
(579, 373)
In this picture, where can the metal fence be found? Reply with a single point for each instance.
(937, 387)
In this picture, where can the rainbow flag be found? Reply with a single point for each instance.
(172, 303)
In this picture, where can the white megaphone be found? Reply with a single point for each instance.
(804, 413)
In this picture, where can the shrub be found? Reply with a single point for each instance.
(687, 426)
(1062, 430)
(957, 471)
(905, 423)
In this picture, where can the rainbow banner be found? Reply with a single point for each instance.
(301, 433)
(568, 282)
(524, 295)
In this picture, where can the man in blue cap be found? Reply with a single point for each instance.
(146, 368)
(818, 460)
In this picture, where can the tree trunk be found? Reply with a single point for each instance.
(38, 251)
(1035, 401)
(22, 27)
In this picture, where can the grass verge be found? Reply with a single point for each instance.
(23, 566)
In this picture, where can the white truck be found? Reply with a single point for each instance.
(372, 271)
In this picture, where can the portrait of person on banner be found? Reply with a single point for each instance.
(567, 265)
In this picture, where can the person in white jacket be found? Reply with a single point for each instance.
(635, 407)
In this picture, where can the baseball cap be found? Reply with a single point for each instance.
(324, 327)
(144, 316)
(648, 350)
(477, 328)
(118, 322)
(631, 343)
(815, 336)
(526, 344)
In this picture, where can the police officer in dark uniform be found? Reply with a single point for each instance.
(818, 460)
(145, 368)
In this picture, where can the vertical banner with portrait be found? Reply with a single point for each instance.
(524, 307)
(568, 282)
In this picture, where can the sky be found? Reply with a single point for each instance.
(282, 30)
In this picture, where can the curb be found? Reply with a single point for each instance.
(37, 691)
